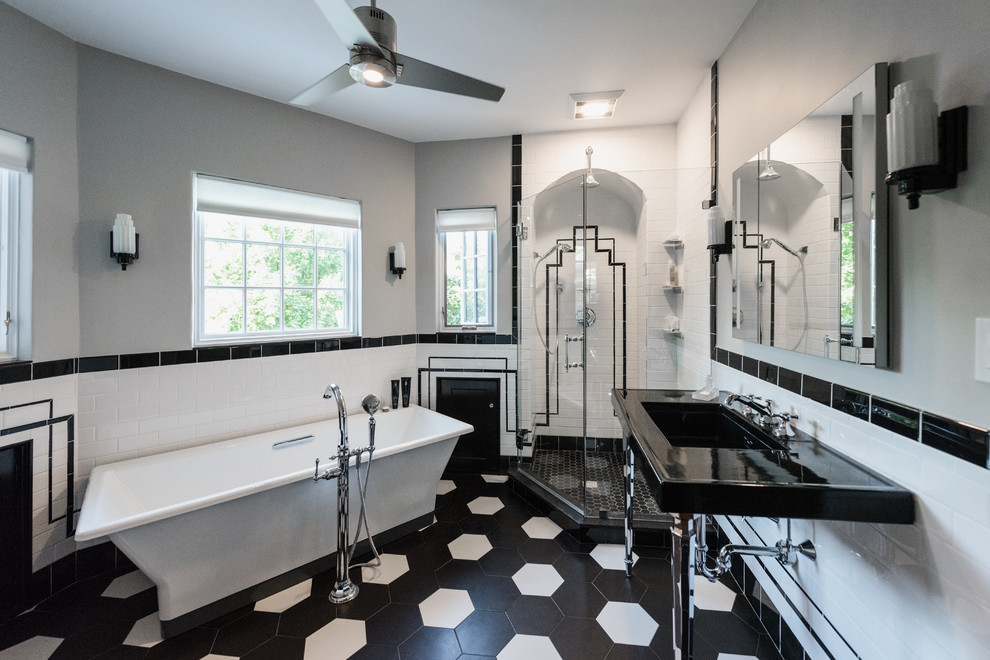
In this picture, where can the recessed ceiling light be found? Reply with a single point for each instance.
(594, 105)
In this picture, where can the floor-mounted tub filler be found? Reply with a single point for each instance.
(218, 526)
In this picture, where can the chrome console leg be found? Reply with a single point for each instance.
(682, 564)
(628, 519)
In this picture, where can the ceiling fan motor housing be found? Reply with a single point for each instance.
(380, 24)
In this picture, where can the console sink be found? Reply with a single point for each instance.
(703, 457)
(707, 425)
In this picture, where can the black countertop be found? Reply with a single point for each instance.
(809, 480)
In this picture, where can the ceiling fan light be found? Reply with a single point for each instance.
(371, 70)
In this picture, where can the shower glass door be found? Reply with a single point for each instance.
(570, 296)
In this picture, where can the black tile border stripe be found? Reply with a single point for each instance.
(957, 438)
(19, 372)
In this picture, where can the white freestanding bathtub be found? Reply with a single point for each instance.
(220, 525)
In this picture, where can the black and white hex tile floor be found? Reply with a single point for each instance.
(491, 578)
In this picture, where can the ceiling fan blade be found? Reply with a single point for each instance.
(347, 25)
(335, 82)
(416, 73)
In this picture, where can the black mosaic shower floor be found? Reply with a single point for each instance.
(560, 469)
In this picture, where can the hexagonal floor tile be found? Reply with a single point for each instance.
(537, 580)
(469, 546)
(446, 608)
(615, 586)
(627, 623)
(38, 646)
(495, 478)
(484, 633)
(526, 647)
(432, 643)
(579, 599)
(485, 505)
(341, 638)
(445, 486)
(286, 598)
(581, 638)
(534, 615)
(733, 656)
(392, 567)
(146, 632)
(611, 556)
(127, 585)
(541, 528)
(713, 596)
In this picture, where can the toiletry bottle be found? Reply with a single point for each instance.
(395, 394)
(673, 274)
(406, 390)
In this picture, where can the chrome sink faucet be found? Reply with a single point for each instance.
(758, 408)
(761, 412)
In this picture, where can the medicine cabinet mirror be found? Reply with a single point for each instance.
(809, 268)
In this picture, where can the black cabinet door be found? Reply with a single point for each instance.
(15, 527)
(475, 401)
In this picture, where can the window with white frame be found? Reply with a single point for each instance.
(274, 263)
(467, 257)
(15, 155)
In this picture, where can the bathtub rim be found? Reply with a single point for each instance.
(89, 529)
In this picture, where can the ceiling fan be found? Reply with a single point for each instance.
(375, 63)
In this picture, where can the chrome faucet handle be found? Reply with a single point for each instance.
(316, 472)
(780, 424)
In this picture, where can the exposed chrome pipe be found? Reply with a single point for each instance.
(784, 551)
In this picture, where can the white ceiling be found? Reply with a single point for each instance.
(541, 51)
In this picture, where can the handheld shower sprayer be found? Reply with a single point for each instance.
(767, 242)
(371, 404)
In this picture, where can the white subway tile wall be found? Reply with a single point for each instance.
(644, 156)
(894, 592)
(694, 349)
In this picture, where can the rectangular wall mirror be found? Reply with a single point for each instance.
(809, 267)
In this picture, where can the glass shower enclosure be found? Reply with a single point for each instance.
(577, 246)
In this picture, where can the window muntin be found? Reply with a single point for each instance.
(264, 277)
(467, 248)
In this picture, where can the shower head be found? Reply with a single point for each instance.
(768, 174)
(371, 404)
(767, 242)
(589, 180)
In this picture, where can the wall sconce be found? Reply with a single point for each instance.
(925, 149)
(397, 259)
(123, 241)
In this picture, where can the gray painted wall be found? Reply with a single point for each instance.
(790, 56)
(461, 174)
(38, 99)
(143, 131)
